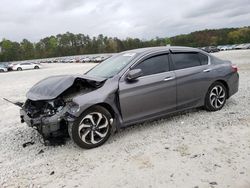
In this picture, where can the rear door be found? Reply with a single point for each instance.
(24, 66)
(30, 66)
(152, 94)
(192, 77)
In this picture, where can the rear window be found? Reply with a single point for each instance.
(203, 59)
(185, 60)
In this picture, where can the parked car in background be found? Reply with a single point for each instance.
(242, 46)
(25, 66)
(85, 60)
(219, 47)
(98, 59)
(3, 68)
(211, 49)
(131, 87)
(224, 48)
(239, 47)
(247, 46)
(72, 60)
(10, 66)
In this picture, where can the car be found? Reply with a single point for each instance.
(219, 47)
(85, 60)
(211, 49)
(242, 46)
(10, 66)
(25, 66)
(72, 60)
(99, 59)
(224, 48)
(3, 68)
(92, 59)
(129, 88)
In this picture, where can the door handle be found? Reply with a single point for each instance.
(207, 70)
(169, 78)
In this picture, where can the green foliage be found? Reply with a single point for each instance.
(213, 37)
(75, 44)
(10, 51)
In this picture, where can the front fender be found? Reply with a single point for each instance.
(107, 94)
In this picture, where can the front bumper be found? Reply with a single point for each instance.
(49, 126)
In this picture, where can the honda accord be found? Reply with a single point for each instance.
(130, 87)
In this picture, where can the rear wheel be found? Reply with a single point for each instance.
(36, 67)
(215, 97)
(19, 69)
(92, 128)
(1, 70)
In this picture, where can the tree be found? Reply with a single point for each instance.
(27, 49)
(74, 44)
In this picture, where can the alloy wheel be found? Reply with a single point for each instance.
(93, 128)
(217, 96)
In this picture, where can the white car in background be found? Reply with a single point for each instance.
(85, 59)
(3, 68)
(25, 66)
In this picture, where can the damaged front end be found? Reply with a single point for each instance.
(49, 107)
(47, 117)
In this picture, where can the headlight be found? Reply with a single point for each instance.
(74, 107)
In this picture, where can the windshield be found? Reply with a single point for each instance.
(111, 66)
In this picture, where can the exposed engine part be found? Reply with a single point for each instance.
(36, 109)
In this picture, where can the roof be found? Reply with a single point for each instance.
(161, 48)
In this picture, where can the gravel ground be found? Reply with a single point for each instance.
(191, 149)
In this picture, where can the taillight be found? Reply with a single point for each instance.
(234, 68)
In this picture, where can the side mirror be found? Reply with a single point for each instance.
(134, 74)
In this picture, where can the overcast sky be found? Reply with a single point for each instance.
(145, 19)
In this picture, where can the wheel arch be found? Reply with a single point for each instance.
(106, 106)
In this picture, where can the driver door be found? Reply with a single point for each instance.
(152, 94)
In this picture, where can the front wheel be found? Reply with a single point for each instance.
(215, 97)
(92, 128)
(19, 69)
(36, 67)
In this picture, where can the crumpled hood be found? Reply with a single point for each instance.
(51, 87)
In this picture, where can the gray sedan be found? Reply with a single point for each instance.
(128, 88)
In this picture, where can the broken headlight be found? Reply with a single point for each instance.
(74, 107)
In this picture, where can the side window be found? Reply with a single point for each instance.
(203, 59)
(185, 60)
(154, 65)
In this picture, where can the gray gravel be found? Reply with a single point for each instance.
(190, 149)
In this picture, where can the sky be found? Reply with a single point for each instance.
(144, 19)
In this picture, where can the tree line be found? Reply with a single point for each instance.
(76, 44)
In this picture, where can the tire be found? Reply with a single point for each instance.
(1, 70)
(36, 67)
(19, 69)
(82, 130)
(216, 97)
